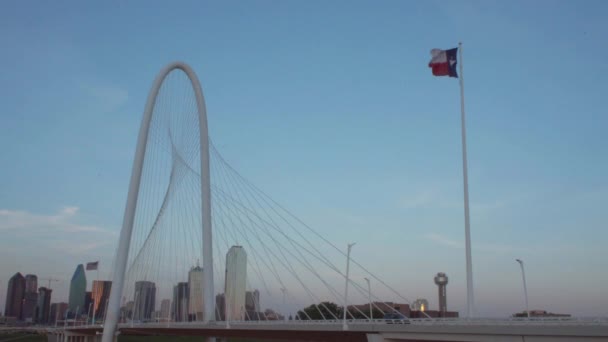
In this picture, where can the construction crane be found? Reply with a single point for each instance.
(50, 279)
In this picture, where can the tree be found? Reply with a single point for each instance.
(324, 310)
(364, 314)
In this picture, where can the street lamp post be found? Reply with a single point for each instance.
(344, 326)
(523, 275)
(284, 311)
(369, 296)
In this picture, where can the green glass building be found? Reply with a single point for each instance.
(78, 287)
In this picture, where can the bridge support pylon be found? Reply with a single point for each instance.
(122, 254)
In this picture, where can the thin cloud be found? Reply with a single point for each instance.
(51, 244)
(69, 211)
(65, 221)
(443, 240)
(80, 248)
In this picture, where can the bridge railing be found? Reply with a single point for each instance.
(513, 321)
(414, 321)
(533, 321)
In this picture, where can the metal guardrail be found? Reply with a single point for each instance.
(532, 321)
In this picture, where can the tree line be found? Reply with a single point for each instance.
(329, 310)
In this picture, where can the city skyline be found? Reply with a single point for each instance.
(339, 121)
(47, 312)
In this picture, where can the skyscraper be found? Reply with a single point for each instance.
(14, 296)
(145, 299)
(43, 306)
(100, 295)
(31, 283)
(220, 307)
(78, 287)
(57, 312)
(127, 310)
(30, 298)
(252, 305)
(180, 302)
(195, 299)
(28, 306)
(236, 278)
(88, 304)
(252, 301)
(165, 309)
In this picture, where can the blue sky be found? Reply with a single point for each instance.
(331, 109)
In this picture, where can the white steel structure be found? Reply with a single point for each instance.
(236, 283)
(344, 325)
(122, 253)
(195, 300)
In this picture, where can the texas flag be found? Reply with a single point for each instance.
(443, 62)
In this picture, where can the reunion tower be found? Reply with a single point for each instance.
(441, 279)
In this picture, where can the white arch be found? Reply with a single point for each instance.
(122, 253)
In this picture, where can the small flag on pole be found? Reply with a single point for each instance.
(91, 266)
(443, 62)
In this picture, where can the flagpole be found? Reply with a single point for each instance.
(467, 224)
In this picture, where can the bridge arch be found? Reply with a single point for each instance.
(122, 253)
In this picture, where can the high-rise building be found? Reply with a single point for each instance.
(180, 302)
(57, 312)
(220, 307)
(236, 278)
(88, 304)
(28, 307)
(101, 296)
(252, 301)
(78, 288)
(252, 305)
(43, 306)
(14, 296)
(127, 310)
(165, 309)
(145, 299)
(195, 299)
(30, 298)
(31, 283)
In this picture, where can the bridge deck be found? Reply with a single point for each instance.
(415, 330)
